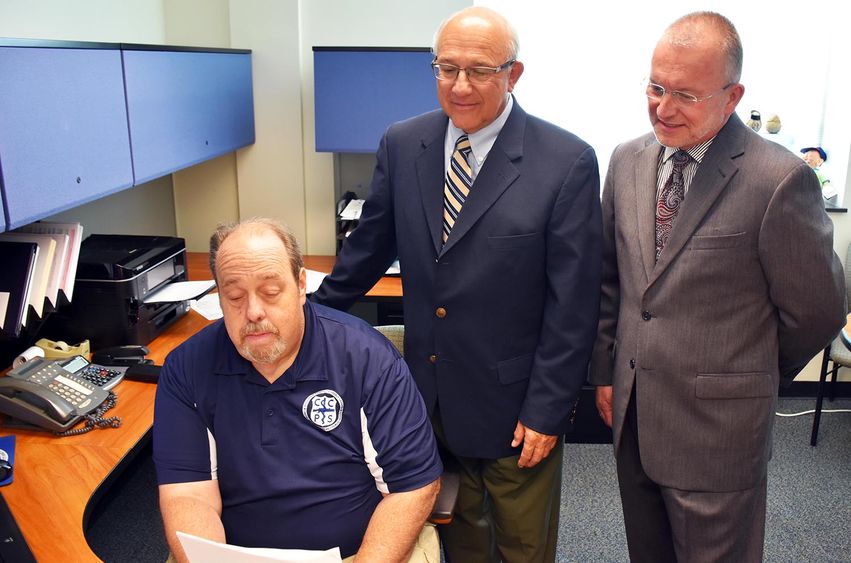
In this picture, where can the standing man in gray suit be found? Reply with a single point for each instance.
(719, 280)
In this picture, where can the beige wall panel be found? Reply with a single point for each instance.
(269, 173)
(204, 196)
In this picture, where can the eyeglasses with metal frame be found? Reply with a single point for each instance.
(478, 74)
(657, 92)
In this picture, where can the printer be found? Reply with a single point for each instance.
(115, 274)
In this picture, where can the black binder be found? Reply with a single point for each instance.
(17, 260)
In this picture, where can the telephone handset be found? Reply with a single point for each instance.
(56, 394)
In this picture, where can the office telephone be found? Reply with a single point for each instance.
(55, 394)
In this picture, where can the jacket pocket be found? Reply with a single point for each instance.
(515, 369)
(513, 241)
(698, 242)
(734, 385)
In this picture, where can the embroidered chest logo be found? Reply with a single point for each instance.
(324, 409)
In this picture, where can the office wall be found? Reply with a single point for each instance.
(144, 209)
(266, 178)
(129, 21)
(335, 23)
(269, 173)
(204, 194)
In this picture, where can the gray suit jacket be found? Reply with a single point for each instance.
(747, 290)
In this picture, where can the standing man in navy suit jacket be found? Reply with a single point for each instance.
(501, 313)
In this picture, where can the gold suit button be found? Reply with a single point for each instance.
(440, 312)
(432, 359)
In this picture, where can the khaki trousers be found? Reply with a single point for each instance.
(426, 550)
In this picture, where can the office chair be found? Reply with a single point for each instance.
(450, 481)
(837, 354)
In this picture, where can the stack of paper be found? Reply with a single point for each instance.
(39, 264)
(70, 250)
(44, 267)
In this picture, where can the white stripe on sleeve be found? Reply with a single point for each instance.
(370, 456)
(214, 461)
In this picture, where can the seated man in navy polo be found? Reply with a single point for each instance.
(288, 424)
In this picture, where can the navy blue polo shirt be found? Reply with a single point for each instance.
(301, 463)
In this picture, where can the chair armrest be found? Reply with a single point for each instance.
(444, 506)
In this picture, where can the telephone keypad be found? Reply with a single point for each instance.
(74, 390)
(98, 375)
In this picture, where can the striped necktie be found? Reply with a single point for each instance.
(670, 199)
(459, 179)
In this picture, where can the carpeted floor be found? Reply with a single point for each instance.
(809, 500)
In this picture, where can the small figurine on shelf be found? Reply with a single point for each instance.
(815, 157)
(755, 121)
(773, 124)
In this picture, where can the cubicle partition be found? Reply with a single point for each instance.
(360, 91)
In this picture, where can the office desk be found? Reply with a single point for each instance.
(58, 480)
(387, 288)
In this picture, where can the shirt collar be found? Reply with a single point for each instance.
(697, 152)
(482, 140)
(309, 364)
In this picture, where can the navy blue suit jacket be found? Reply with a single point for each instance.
(518, 278)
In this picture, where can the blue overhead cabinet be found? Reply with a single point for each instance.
(63, 127)
(186, 106)
(360, 91)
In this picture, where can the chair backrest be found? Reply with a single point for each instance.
(450, 482)
(395, 334)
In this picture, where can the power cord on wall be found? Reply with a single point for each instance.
(811, 411)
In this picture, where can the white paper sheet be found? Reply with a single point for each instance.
(208, 306)
(180, 291)
(314, 280)
(394, 268)
(200, 550)
(4, 304)
(352, 211)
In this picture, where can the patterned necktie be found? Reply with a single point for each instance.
(459, 179)
(670, 199)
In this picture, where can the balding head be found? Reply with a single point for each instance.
(478, 17)
(482, 42)
(697, 27)
(258, 224)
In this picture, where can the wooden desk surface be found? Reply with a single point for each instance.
(388, 286)
(55, 478)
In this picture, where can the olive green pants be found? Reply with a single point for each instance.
(503, 513)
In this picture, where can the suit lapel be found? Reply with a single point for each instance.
(713, 176)
(647, 163)
(497, 173)
(430, 177)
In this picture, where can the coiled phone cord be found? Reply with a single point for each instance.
(95, 418)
